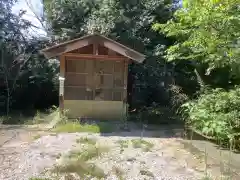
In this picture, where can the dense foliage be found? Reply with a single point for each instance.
(207, 31)
(216, 113)
(24, 73)
(207, 36)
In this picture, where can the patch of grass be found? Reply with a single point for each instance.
(206, 178)
(81, 168)
(118, 172)
(106, 127)
(146, 148)
(95, 171)
(137, 143)
(44, 117)
(211, 178)
(14, 118)
(69, 177)
(146, 173)
(140, 143)
(35, 178)
(31, 117)
(123, 143)
(71, 127)
(1, 119)
(77, 162)
(36, 136)
(88, 153)
(86, 140)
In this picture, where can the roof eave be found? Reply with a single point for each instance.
(61, 48)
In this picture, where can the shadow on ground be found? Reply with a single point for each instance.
(133, 129)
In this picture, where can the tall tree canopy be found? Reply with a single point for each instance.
(23, 71)
(206, 32)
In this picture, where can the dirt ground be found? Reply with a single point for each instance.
(27, 152)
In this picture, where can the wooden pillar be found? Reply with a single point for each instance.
(125, 85)
(62, 74)
(130, 87)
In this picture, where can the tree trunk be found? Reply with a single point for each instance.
(8, 96)
(199, 79)
(8, 104)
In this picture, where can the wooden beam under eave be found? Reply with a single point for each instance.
(90, 56)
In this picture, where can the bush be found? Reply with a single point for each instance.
(154, 114)
(215, 113)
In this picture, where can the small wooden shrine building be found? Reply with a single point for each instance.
(93, 76)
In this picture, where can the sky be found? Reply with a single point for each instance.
(37, 7)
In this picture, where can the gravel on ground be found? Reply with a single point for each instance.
(22, 156)
(167, 159)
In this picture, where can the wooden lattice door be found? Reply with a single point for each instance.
(109, 80)
(100, 80)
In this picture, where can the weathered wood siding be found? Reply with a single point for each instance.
(100, 110)
(95, 80)
(95, 87)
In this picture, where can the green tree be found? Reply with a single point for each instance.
(21, 65)
(13, 52)
(207, 34)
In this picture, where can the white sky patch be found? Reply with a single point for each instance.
(37, 8)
